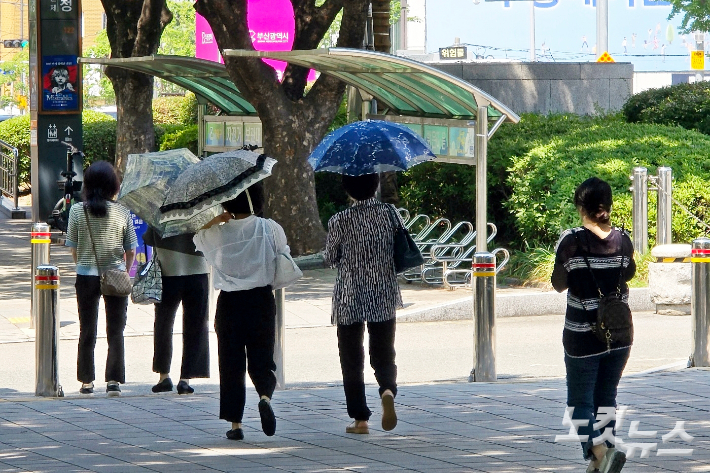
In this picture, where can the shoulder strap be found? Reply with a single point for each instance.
(88, 226)
(579, 242)
(393, 215)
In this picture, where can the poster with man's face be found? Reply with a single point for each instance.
(59, 83)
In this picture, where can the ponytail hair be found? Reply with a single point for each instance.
(593, 197)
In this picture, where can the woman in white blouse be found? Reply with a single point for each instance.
(242, 248)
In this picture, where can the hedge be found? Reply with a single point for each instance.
(99, 137)
(686, 105)
(535, 165)
(175, 110)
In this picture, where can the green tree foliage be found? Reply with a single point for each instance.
(695, 13)
(15, 72)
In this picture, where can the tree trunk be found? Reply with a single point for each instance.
(134, 125)
(381, 30)
(134, 28)
(293, 122)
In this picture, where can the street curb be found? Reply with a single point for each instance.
(516, 305)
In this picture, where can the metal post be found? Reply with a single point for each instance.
(15, 173)
(40, 240)
(533, 58)
(639, 212)
(602, 27)
(663, 216)
(47, 332)
(484, 334)
(280, 342)
(700, 302)
(481, 151)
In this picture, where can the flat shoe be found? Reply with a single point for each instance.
(268, 420)
(354, 428)
(113, 390)
(184, 388)
(235, 434)
(87, 389)
(163, 386)
(389, 416)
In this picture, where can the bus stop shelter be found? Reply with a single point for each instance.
(420, 96)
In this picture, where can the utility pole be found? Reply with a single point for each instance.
(602, 27)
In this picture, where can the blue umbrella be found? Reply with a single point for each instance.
(368, 147)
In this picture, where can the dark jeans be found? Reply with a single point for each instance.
(592, 383)
(245, 323)
(88, 293)
(352, 362)
(193, 292)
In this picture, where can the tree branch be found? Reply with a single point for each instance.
(154, 16)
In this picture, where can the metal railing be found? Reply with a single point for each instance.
(9, 162)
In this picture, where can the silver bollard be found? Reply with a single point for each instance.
(46, 280)
(280, 342)
(40, 240)
(639, 213)
(484, 332)
(700, 302)
(663, 216)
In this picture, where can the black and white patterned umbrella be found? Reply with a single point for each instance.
(202, 186)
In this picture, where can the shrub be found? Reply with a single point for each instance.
(179, 137)
(99, 137)
(176, 110)
(686, 105)
(543, 179)
(16, 132)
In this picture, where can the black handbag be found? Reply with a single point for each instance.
(614, 322)
(406, 252)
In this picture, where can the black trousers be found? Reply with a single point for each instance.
(88, 293)
(245, 323)
(193, 292)
(352, 362)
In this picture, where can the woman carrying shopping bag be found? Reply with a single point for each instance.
(184, 281)
(594, 262)
(242, 248)
(361, 245)
(101, 237)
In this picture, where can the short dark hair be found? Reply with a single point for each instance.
(240, 204)
(361, 187)
(593, 196)
(100, 184)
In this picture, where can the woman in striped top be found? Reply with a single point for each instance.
(361, 245)
(115, 241)
(593, 369)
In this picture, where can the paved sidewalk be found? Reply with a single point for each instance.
(443, 427)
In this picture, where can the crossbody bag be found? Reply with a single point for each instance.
(114, 282)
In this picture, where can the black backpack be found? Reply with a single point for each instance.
(614, 322)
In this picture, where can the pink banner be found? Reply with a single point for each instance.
(271, 26)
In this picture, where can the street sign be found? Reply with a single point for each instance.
(697, 60)
(452, 52)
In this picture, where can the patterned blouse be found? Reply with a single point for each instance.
(608, 257)
(361, 245)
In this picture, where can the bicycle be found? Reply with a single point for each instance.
(72, 191)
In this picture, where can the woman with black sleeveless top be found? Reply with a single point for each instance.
(593, 368)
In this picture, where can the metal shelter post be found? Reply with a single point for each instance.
(40, 241)
(280, 339)
(663, 216)
(47, 332)
(484, 326)
(639, 213)
(700, 302)
(481, 152)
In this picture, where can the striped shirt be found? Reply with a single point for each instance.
(361, 245)
(112, 234)
(606, 257)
